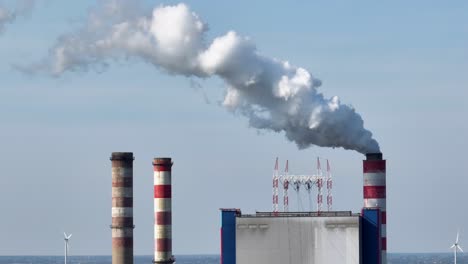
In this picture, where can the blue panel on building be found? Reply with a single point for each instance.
(228, 235)
(370, 236)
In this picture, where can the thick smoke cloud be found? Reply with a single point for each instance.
(273, 94)
(9, 15)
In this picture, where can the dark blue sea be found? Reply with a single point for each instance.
(433, 258)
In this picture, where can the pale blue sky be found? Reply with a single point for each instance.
(403, 66)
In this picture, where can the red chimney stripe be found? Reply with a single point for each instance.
(163, 218)
(374, 165)
(371, 192)
(162, 191)
(122, 182)
(162, 167)
(384, 243)
(163, 244)
(125, 242)
(122, 221)
(384, 218)
(122, 201)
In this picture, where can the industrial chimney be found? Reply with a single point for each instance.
(122, 207)
(162, 211)
(375, 194)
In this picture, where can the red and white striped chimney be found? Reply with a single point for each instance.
(122, 207)
(375, 194)
(162, 211)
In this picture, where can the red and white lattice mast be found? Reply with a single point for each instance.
(329, 188)
(275, 187)
(308, 181)
(308, 184)
(285, 188)
(319, 186)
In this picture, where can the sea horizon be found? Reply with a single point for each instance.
(393, 258)
(201, 254)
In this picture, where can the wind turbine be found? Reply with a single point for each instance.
(456, 247)
(66, 238)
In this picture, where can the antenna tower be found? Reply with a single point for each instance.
(308, 181)
(275, 187)
(329, 188)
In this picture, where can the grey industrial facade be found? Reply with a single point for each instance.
(300, 237)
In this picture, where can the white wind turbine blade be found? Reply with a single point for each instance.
(452, 246)
(64, 235)
(459, 248)
(456, 241)
(69, 236)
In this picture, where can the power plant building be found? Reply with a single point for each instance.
(331, 237)
(300, 237)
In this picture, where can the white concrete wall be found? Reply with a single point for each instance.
(297, 240)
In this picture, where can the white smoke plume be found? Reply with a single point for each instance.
(273, 94)
(9, 15)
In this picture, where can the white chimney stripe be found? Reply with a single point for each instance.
(122, 212)
(122, 172)
(162, 255)
(162, 204)
(374, 179)
(375, 202)
(162, 178)
(162, 231)
(122, 192)
(122, 232)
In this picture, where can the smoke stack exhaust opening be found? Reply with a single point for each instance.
(122, 156)
(374, 156)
